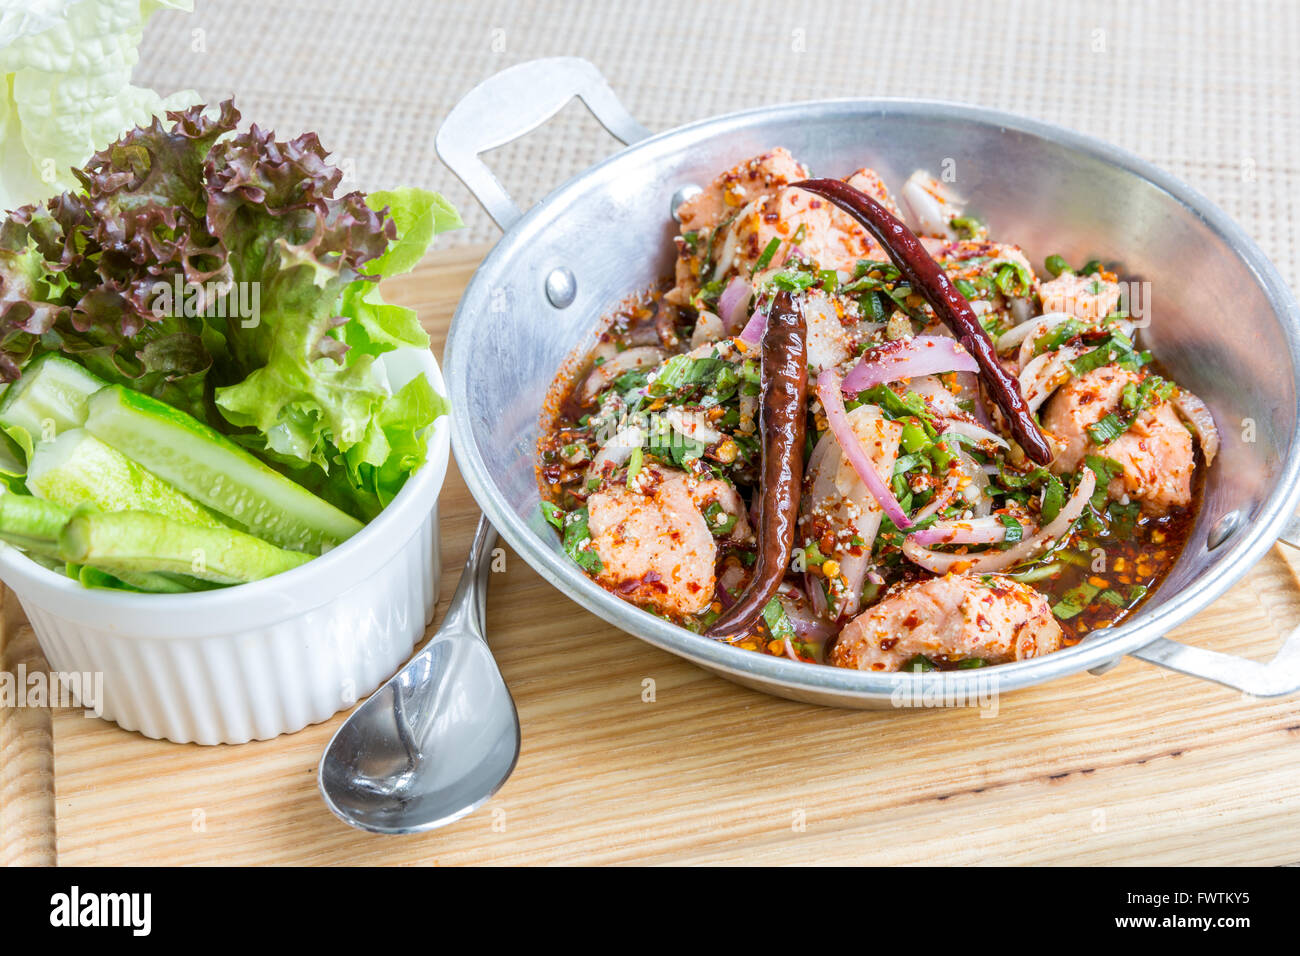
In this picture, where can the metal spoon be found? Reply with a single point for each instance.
(442, 736)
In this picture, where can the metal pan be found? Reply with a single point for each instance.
(1222, 321)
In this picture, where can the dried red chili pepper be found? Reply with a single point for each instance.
(783, 418)
(926, 277)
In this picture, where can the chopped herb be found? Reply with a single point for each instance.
(1058, 336)
(635, 378)
(1015, 531)
(1123, 518)
(966, 289)
(1117, 349)
(1012, 279)
(634, 466)
(778, 625)
(577, 542)
(791, 280)
(719, 520)
(967, 227)
(768, 252)
(897, 406)
(1040, 573)
(1093, 267)
(1056, 265)
(1106, 470)
(1108, 429)
(1073, 601)
(1053, 499)
(553, 513)
(914, 437)
(918, 664)
(873, 306)
(969, 662)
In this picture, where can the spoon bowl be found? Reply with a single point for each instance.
(440, 737)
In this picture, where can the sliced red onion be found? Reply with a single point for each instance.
(938, 562)
(830, 392)
(816, 596)
(733, 303)
(931, 204)
(806, 623)
(752, 333)
(908, 358)
(1197, 414)
(1041, 377)
(942, 497)
(708, 328)
(971, 430)
(988, 530)
(602, 375)
(1034, 328)
(616, 451)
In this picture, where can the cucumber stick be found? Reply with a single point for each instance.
(79, 469)
(48, 399)
(128, 580)
(216, 472)
(131, 541)
(27, 517)
(32, 524)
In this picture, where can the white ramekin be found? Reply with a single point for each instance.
(261, 659)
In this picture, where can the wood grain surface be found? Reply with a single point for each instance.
(1138, 766)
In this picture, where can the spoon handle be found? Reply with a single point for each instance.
(468, 607)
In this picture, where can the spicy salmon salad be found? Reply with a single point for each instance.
(873, 436)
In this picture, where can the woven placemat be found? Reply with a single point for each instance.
(1207, 90)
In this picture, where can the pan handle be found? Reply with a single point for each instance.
(513, 103)
(1278, 677)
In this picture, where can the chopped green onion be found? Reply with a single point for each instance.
(1073, 601)
(914, 437)
(1053, 499)
(1056, 265)
(553, 513)
(1108, 429)
(634, 466)
(768, 252)
(792, 281)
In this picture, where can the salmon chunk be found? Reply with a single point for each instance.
(751, 205)
(1155, 454)
(758, 178)
(654, 544)
(822, 232)
(955, 617)
(1085, 297)
(868, 181)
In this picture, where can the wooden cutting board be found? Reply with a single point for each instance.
(1139, 766)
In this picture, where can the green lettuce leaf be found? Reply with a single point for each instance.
(66, 90)
(218, 271)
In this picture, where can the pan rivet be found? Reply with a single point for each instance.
(679, 197)
(1222, 530)
(561, 288)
